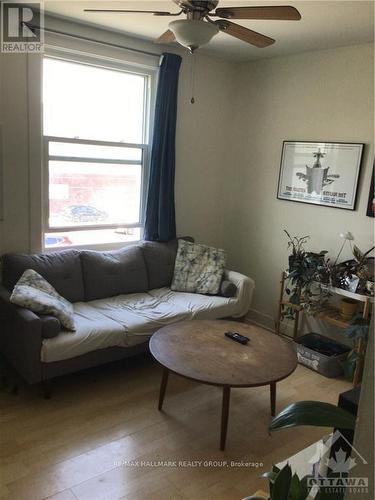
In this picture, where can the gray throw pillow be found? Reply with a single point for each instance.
(198, 268)
(33, 292)
(228, 289)
(51, 326)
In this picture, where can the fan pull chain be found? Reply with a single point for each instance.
(192, 78)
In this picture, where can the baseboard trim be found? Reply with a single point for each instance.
(261, 319)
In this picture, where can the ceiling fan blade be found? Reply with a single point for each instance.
(277, 12)
(166, 37)
(244, 34)
(153, 12)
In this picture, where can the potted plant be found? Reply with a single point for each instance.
(358, 272)
(307, 271)
(364, 270)
(357, 331)
(283, 484)
(296, 245)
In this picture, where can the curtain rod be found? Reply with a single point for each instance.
(87, 39)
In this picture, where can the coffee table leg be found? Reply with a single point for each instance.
(163, 387)
(224, 417)
(273, 398)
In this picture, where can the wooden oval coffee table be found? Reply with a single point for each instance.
(199, 350)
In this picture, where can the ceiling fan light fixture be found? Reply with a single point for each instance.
(192, 33)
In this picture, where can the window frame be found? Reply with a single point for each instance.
(103, 62)
(71, 159)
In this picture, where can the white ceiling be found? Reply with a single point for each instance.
(324, 24)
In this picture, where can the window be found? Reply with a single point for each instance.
(95, 126)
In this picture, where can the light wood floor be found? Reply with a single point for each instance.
(74, 445)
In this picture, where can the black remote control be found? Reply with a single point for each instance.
(237, 337)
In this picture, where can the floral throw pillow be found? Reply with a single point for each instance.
(33, 292)
(198, 268)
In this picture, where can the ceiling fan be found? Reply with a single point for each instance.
(198, 28)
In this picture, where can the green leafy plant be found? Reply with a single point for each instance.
(361, 266)
(296, 244)
(311, 268)
(359, 329)
(362, 261)
(309, 273)
(364, 268)
(315, 413)
(283, 485)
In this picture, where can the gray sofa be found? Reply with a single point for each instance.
(120, 298)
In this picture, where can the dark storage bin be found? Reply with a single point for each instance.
(321, 354)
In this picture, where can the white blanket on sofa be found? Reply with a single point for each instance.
(127, 320)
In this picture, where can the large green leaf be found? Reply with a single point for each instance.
(314, 413)
(305, 487)
(295, 489)
(275, 471)
(281, 485)
(358, 255)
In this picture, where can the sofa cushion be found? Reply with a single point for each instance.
(61, 269)
(199, 306)
(107, 274)
(33, 292)
(198, 268)
(128, 320)
(93, 331)
(159, 258)
(121, 321)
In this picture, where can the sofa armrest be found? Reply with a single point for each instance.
(245, 289)
(7, 308)
(20, 338)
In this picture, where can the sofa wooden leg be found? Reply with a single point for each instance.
(47, 389)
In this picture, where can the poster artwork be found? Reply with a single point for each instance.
(320, 173)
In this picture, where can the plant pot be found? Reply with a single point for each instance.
(348, 308)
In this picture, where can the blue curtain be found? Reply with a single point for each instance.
(160, 222)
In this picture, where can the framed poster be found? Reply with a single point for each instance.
(371, 197)
(320, 173)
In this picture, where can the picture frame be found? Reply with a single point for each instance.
(371, 197)
(320, 173)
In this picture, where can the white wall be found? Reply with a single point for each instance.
(201, 166)
(228, 153)
(325, 95)
(201, 129)
(14, 229)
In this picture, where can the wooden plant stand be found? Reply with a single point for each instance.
(297, 308)
(331, 316)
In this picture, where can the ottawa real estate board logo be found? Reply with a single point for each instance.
(333, 462)
(22, 27)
